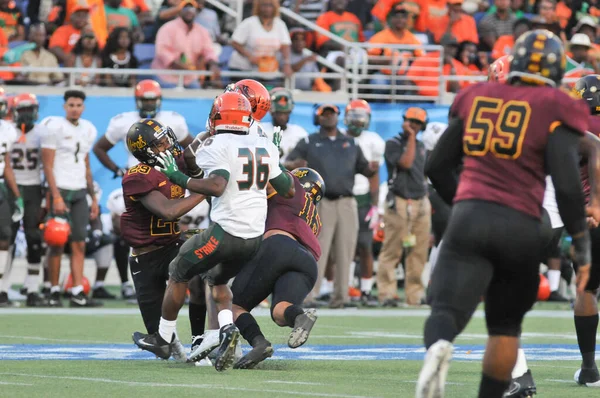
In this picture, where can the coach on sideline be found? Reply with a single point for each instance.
(337, 158)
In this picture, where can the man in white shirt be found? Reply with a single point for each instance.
(282, 105)
(148, 99)
(66, 162)
(11, 203)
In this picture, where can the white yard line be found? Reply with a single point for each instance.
(66, 341)
(306, 383)
(6, 383)
(170, 385)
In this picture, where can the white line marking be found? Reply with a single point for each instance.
(6, 383)
(294, 382)
(169, 385)
(561, 381)
(59, 340)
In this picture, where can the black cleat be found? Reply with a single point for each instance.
(102, 293)
(54, 300)
(81, 300)
(587, 377)
(128, 293)
(4, 301)
(259, 353)
(521, 387)
(153, 343)
(368, 300)
(35, 300)
(302, 327)
(229, 337)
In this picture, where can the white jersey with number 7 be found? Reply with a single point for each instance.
(249, 162)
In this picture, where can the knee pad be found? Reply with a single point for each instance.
(103, 257)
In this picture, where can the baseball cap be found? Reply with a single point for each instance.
(81, 7)
(186, 3)
(324, 107)
(418, 114)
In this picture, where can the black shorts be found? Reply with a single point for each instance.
(440, 213)
(32, 200)
(283, 267)
(365, 234)
(553, 248)
(594, 281)
(215, 250)
(78, 212)
(493, 251)
(150, 273)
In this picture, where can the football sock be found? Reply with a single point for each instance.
(586, 328)
(75, 290)
(291, 313)
(326, 287)
(492, 388)
(249, 329)
(521, 365)
(225, 318)
(366, 285)
(55, 289)
(32, 279)
(166, 329)
(554, 279)
(8, 265)
(197, 314)
(121, 251)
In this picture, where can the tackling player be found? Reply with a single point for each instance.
(66, 162)
(237, 168)
(11, 203)
(149, 224)
(493, 242)
(285, 266)
(148, 99)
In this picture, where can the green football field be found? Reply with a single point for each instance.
(351, 353)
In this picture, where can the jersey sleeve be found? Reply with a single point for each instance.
(571, 112)
(115, 202)
(49, 139)
(274, 169)
(213, 158)
(138, 184)
(93, 133)
(378, 149)
(115, 131)
(179, 126)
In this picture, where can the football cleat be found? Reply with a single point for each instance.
(102, 293)
(229, 337)
(35, 300)
(127, 292)
(153, 343)
(521, 387)
(368, 300)
(54, 300)
(259, 353)
(178, 351)
(81, 300)
(432, 378)
(302, 327)
(204, 345)
(4, 301)
(587, 377)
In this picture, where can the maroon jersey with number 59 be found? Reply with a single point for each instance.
(505, 133)
(139, 226)
(297, 216)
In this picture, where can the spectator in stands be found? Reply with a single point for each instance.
(425, 69)
(382, 9)
(302, 59)
(11, 21)
(141, 10)
(563, 13)
(86, 55)
(258, 40)
(182, 44)
(395, 33)
(309, 9)
(467, 55)
(341, 23)
(209, 20)
(118, 54)
(64, 38)
(505, 43)
(169, 10)
(63, 9)
(362, 9)
(588, 26)
(40, 57)
(518, 7)
(455, 22)
(579, 53)
(118, 16)
(496, 24)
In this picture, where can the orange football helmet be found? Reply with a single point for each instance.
(498, 70)
(230, 112)
(56, 231)
(25, 109)
(357, 116)
(257, 94)
(148, 98)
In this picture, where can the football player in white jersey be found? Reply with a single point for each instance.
(237, 169)
(148, 99)
(66, 161)
(357, 118)
(11, 203)
(26, 164)
(282, 105)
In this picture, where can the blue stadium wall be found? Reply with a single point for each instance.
(387, 121)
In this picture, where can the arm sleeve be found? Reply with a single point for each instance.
(241, 33)
(562, 160)
(93, 133)
(443, 161)
(48, 139)
(300, 151)
(138, 185)
(362, 165)
(274, 168)
(213, 159)
(284, 34)
(115, 133)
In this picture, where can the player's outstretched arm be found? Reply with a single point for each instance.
(170, 209)
(284, 184)
(189, 156)
(443, 161)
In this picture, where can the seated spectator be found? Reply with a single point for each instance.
(141, 10)
(118, 16)
(209, 20)
(63, 9)
(475, 62)
(362, 10)
(182, 44)
(118, 54)
(169, 10)
(258, 40)
(395, 33)
(579, 53)
(455, 22)
(302, 59)
(64, 38)
(342, 24)
(11, 21)
(587, 25)
(86, 55)
(41, 58)
(424, 71)
(518, 7)
(381, 11)
(504, 44)
(496, 24)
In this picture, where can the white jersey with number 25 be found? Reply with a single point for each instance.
(250, 161)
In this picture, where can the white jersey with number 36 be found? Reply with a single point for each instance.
(251, 161)
(27, 158)
(8, 136)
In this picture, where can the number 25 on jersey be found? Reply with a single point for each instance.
(503, 138)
